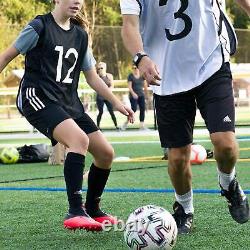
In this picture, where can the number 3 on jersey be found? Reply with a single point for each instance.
(60, 64)
(179, 15)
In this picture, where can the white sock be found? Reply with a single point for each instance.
(186, 200)
(225, 179)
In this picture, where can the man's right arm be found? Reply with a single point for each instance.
(131, 34)
(133, 42)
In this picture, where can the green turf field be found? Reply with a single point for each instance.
(33, 219)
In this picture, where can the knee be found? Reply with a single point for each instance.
(106, 157)
(179, 158)
(227, 148)
(80, 144)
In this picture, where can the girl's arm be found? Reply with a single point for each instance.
(96, 83)
(111, 80)
(7, 56)
(145, 87)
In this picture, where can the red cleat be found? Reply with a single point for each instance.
(106, 219)
(81, 222)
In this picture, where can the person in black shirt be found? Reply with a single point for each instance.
(108, 79)
(56, 48)
(138, 90)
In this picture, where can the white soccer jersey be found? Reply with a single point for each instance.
(188, 39)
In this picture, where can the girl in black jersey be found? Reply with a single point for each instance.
(56, 48)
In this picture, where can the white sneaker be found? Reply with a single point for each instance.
(124, 126)
(144, 129)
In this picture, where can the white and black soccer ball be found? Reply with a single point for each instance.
(150, 227)
(9, 155)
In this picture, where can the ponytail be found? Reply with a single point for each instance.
(81, 19)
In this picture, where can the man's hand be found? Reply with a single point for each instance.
(149, 71)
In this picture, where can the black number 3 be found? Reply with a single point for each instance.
(179, 14)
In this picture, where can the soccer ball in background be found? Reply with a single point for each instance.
(150, 227)
(198, 154)
(9, 155)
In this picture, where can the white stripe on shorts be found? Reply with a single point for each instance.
(34, 101)
(37, 98)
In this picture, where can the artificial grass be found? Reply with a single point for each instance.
(33, 220)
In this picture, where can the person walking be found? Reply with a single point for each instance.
(100, 101)
(138, 91)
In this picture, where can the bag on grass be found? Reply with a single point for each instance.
(33, 153)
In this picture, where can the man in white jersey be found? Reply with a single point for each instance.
(182, 49)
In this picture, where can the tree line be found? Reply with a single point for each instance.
(107, 45)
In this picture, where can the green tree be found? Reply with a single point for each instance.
(20, 12)
(239, 17)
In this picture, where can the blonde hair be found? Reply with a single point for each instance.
(81, 19)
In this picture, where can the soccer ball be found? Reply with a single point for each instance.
(150, 227)
(198, 154)
(9, 155)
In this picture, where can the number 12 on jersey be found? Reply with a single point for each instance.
(67, 79)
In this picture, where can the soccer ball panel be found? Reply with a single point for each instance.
(150, 227)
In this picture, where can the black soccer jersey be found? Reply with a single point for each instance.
(54, 64)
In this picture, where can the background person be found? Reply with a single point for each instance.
(138, 91)
(108, 79)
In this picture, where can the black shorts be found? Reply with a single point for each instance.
(176, 113)
(45, 115)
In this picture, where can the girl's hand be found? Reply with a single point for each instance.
(125, 111)
(135, 96)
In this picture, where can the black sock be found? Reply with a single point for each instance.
(97, 180)
(73, 174)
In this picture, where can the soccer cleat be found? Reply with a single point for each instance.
(98, 215)
(183, 221)
(104, 218)
(82, 221)
(237, 202)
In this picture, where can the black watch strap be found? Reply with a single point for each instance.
(137, 58)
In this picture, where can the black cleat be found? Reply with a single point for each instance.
(184, 221)
(237, 202)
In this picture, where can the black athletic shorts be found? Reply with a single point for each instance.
(176, 113)
(45, 115)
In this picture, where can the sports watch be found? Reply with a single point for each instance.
(137, 58)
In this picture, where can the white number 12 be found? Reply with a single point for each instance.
(60, 63)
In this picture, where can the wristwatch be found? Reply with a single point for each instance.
(137, 58)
